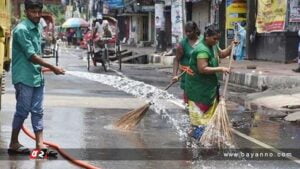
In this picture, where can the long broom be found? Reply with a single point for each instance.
(132, 118)
(217, 133)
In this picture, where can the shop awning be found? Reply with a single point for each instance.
(133, 14)
(193, 0)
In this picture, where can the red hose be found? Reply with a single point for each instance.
(62, 152)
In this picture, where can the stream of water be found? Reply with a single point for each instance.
(145, 91)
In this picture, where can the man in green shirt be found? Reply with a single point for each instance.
(27, 75)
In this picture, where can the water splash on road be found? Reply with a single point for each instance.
(145, 91)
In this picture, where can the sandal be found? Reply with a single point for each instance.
(20, 150)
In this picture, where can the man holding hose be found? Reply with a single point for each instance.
(27, 76)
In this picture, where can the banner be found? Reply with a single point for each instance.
(177, 20)
(105, 8)
(115, 3)
(159, 16)
(294, 11)
(271, 15)
(236, 11)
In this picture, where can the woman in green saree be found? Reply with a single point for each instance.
(202, 84)
(183, 53)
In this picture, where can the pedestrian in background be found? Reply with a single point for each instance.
(44, 34)
(78, 36)
(97, 31)
(239, 53)
(183, 53)
(27, 76)
(202, 83)
(107, 33)
(70, 34)
(298, 69)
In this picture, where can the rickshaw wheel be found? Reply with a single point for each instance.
(88, 61)
(94, 62)
(105, 60)
(104, 64)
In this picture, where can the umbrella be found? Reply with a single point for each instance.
(75, 23)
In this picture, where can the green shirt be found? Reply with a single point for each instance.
(187, 52)
(26, 43)
(78, 33)
(202, 87)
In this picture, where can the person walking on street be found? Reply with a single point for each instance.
(202, 83)
(298, 69)
(70, 35)
(183, 53)
(27, 76)
(79, 36)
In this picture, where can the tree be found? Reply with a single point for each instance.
(57, 11)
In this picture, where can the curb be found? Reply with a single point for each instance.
(256, 80)
(160, 58)
(263, 82)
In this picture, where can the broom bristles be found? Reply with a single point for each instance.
(217, 133)
(132, 118)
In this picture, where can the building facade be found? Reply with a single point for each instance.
(275, 39)
(136, 21)
(17, 5)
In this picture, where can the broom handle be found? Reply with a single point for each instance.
(173, 82)
(230, 62)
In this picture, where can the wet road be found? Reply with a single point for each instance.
(79, 111)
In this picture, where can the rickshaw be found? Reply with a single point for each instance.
(102, 49)
(49, 44)
(5, 41)
(48, 24)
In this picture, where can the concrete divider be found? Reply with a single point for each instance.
(262, 82)
(167, 60)
(257, 75)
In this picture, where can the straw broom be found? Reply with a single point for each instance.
(217, 133)
(132, 118)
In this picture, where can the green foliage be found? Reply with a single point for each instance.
(23, 15)
(57, 11)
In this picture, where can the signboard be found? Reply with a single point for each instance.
(177, 20)
(105, 8)
(146, 2)
(193, 0)
(159, 16)
(236, 11)
(271, 15)
(147, 8)
(168, 2)
(294, 11)
(115, 3)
